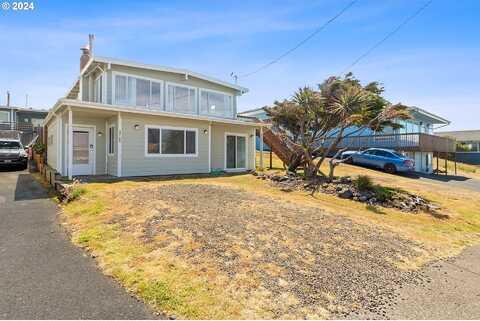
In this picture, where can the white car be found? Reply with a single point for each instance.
(12, 153)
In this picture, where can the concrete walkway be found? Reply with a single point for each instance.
(42, 275)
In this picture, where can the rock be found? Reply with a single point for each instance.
(347, 194)
(363, 198)
(283, 178)
(345, 180)
(255, 174)
(286, 189)
(339, 189)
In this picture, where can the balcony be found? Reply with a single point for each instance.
(419, 142)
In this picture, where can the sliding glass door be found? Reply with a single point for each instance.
(236, 152)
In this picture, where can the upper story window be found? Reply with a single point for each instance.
(214, 103)
(98, 89)
(137, 91)
(181, 99)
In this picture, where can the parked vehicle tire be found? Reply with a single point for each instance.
(349, 160)
(390, 168)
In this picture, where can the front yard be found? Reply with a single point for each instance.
(235, 247)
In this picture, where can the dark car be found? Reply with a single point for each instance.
(12, 153)
(388, 160)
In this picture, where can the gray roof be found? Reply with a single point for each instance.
(462, 135)
(27, 109)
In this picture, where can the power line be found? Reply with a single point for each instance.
(310, 36)
(391, 33)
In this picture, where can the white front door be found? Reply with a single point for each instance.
(83, 151)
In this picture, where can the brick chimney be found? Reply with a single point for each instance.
(87, 52)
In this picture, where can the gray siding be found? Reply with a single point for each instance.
(134, 161)
(218, 144)
(112, 159)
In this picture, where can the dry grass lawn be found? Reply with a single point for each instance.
(234, 247)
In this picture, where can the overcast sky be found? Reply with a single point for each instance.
(433, 62)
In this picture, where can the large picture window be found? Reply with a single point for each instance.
(216, 104)
(170, 141)
(139, 92)
(181, 99)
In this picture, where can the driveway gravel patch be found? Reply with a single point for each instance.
(299, 261)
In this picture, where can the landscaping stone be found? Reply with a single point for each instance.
(345, 188)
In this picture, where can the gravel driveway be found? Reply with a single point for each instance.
(300, 261)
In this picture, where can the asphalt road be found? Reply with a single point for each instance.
(450, 290)
(44, 276)
(472, 184)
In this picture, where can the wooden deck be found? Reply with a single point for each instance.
(404, 142)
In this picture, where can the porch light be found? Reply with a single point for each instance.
(136, 126)
(205, 131)
(99, 134)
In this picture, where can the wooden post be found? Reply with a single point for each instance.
(446, 164)
(437, 163)
(455, 160)
(271, 158)
(261, 148)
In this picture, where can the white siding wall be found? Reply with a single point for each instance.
(52, 144)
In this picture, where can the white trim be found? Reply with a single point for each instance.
(108, 142)
(232, 97)
(149, 106)
(60, 144)
(114, 61)
(254, 167)
(209, 147)
(70, 143)
(160, 154)
(119, 144)
(119, 108)
(236, 169)
(106, 145)
(94, 135)
(196, 100)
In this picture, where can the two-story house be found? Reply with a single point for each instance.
(124, 118)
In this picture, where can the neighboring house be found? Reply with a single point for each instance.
(22, 115)
(415, 139)
(124, 118)
(468, 145)
(26, 121)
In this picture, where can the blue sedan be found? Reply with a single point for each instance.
(388, 160)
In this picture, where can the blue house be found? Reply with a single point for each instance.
(416, 138)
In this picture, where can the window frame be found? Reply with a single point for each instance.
(109, 142)
(99, 79)
(236, 158)
(132, 98)
(196, 100)
(215, 92)
(160, 154)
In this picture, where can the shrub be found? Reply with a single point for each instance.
(363, 183)
(383, 193)
(39, 148)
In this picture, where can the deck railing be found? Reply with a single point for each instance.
(24, 127)
(406, 142)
